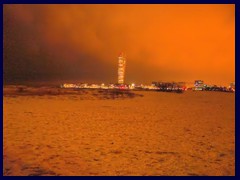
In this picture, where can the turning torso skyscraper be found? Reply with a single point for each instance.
(121, 68)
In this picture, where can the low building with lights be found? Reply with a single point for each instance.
(198, 85)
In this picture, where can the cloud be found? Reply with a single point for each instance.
(167, 42)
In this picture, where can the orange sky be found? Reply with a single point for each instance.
(82, 42)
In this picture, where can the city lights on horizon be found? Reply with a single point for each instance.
(157, 86)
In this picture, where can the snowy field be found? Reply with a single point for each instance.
(50, 131)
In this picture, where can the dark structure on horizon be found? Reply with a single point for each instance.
(170, 86)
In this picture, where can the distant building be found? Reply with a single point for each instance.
(169, 85)
(121, 68)
(232, 86)
(198, 83)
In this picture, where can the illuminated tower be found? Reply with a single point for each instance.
(121, 68)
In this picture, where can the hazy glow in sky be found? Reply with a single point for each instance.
(82, 42)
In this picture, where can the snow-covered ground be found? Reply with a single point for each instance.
(104, 133)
